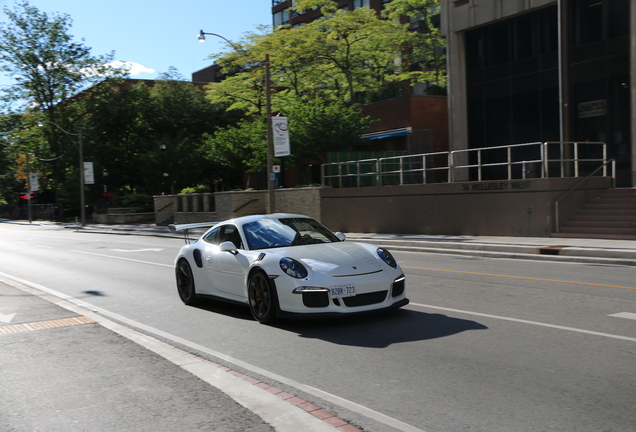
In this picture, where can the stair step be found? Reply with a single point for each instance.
(594, 236)
(611, 214)
(600, 224)
(621, 206)
(603, 217)
(620, 191)
(599, 230)
(614, 200)
(592, 212)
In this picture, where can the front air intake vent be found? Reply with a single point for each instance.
(365, 299)
(397, 289)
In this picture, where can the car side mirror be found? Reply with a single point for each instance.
(228, 246)
(341, 236)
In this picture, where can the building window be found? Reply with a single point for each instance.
(588, 21)
(281, 17)
(361, 3)
(596, 20)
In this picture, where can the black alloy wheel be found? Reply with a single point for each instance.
(262, 298)
(185, 283)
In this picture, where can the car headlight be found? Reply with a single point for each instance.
(387, 257)
(293, 268)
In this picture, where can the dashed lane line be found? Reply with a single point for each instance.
(522, 321)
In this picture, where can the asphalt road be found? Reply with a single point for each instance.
(485, 345)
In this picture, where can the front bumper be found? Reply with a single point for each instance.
(373, 293)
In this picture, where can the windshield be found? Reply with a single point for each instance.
(271, 233)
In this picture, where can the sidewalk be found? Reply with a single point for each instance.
(66, 369)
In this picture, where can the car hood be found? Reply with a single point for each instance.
(336, 259)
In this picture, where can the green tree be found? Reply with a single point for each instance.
(139, 132)
(236, 149)
(318, 127)
(48, 68)
(427, 50)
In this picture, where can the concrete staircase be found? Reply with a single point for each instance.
(611, 215)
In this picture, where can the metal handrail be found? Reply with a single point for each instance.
(358, 163)
(401, 171)
(569, 154)
(604, 166)
(509, 163)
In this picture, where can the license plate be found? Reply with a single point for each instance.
(343, 291)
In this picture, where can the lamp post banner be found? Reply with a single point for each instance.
(33, 183)
(89, 175)
(281, 136)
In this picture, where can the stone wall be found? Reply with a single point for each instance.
(183, 209)
(494, 208)
(304, 201)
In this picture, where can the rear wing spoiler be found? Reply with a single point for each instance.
(185, 228)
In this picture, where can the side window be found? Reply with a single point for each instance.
(211, 236)
(230, 233)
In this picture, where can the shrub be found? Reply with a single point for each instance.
(195, 189)
(142, 202)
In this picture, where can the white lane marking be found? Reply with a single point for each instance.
(122, 258)
(352, 406)
(136, 250)
(522, 321)
(627, 315)
(6, 318)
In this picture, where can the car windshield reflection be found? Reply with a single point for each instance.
(272, 233)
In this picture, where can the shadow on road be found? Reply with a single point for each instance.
(380, 331)
(229, 309)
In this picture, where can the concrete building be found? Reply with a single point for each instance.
(543, 70)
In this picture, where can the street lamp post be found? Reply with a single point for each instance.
(271, 203)
(81, 166)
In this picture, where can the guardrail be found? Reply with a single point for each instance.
(516, 161)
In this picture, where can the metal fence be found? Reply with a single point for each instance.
(517, 161)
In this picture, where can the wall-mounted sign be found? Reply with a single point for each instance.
(593, 108)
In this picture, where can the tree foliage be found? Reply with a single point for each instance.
(321, 71)
(48, 66)
(149, 136)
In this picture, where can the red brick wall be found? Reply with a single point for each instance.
(417, 112)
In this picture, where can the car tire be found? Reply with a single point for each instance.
(185, 283)
(261, 296)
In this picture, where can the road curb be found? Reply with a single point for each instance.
(282, 410)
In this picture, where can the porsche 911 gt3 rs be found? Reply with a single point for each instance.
(284, 265)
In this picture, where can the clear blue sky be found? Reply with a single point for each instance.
(156, 34)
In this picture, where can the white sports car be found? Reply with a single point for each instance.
(284, 265)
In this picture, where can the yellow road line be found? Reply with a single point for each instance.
(521, 277)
